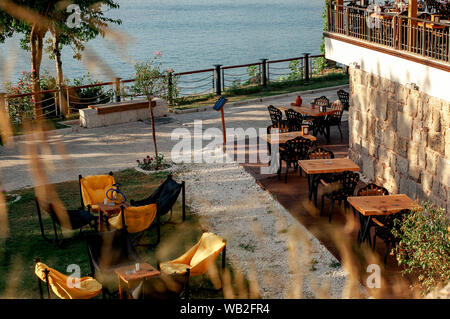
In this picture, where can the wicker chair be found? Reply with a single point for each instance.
(369, 190)
(314, 180)
(293, 151)
(383, 230)
(349, 180)
(344, 97)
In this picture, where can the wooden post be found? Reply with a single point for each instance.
(223, 126)
(117, 88)
(412, 14)
(340, 17)
(5, 131)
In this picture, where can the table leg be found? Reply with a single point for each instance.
(100, 221)
(366, 226)
(120, 288)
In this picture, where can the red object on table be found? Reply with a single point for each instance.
(298, 101)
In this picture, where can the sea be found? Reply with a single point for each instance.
(189, 34)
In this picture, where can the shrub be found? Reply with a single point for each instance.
(152, 164)
(424, 246)
(81, 98)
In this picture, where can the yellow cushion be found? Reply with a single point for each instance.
(173, 268)
(201, 256)
(93, 189)
(89, 287)
(137, 219)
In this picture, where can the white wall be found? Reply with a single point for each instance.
(430, 80)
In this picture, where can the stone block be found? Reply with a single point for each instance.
(401, 146)
(412, 104)
(436, 122)
(443, 171)
(436, 141)
(431, 158)
(415, 173)
(368, 167)
(388, 139)
(427, 181)
(378, 105)
(404, 125)
(402, 165)
(447, 143)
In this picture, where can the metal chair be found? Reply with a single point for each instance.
(296, 120)
(383, 230)
(293, 151)
(369, 190)
(349, 180)
(344, 97)
(276, 116)
(334, 119)
(314, 181)
(282, 128)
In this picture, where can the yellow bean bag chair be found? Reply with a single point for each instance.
(198, 258)
(137, 218)
(93, 189)
(89, 287)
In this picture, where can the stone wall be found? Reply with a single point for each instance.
(400, 137)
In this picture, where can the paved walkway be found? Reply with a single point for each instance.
(113, 148)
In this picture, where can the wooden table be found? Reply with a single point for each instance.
(128, 276)
(326, 166)
(284, 137)
(315, 112)
(369, 206)
(109, 210)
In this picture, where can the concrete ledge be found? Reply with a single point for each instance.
(90, 117)
(261, 99)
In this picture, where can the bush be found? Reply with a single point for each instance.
(21, 108)
(82, 98)
(424, 246)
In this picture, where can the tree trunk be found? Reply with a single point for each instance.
(59, 71)
(153, 131)
(36, 46)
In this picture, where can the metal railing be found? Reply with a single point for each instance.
(426, 38)
(218, 80)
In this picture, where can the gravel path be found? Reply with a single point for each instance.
(259, 232)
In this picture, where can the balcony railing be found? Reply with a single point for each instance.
(422, 37)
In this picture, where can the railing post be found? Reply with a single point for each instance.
(218, 79)
(424, 32)
(347, 21)
(306, 66)
(117, 88)
(264, 72)
(170, 87)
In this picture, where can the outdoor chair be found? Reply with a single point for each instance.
(107, 251)
(292, 151)
(384, 228)
(199, 258)
(296, 120)
(348, 180)
(164, 286)
(314, 180)
(344, 97)
(165, 197)
(334, 119)
(65, 219)
(93, 190)
(276, 116)
(137, 220)
(282, 128)
(369, 190)
(58, 283)
(319, 121)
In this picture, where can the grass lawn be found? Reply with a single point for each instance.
(252, 92)
(25, 243)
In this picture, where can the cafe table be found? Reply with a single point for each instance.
(281, 138)
(319, 167)
(372, 206)
(129, 276)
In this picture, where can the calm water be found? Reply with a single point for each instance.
(195, 34)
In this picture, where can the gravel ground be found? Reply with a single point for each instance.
(259, 232)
